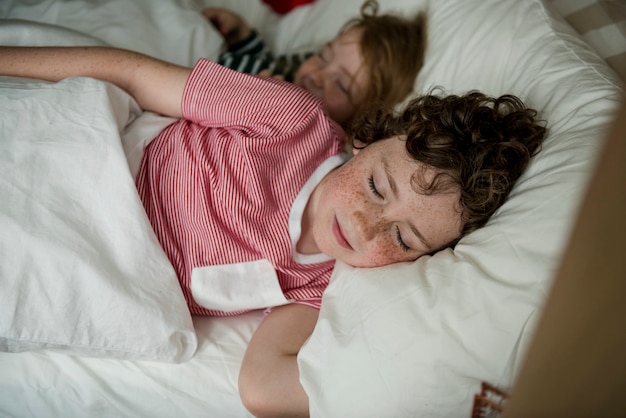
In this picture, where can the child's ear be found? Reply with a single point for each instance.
(357, 146)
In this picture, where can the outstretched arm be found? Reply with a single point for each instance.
(156, 85)
(269, 381)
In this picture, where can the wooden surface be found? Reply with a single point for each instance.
(576, 364)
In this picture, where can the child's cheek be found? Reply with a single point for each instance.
(385, 257)
(384, 254)
(304, 69)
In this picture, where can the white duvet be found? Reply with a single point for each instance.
(81, 268)
(82, 272)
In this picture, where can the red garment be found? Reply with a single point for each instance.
(284, 6)
(218, 186)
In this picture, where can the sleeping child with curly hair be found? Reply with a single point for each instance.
(250, 185)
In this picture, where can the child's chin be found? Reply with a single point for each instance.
(357, 263)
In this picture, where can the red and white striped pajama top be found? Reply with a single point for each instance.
(219, 186)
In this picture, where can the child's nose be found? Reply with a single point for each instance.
(317, 78)
(312, 85)
(370, 224)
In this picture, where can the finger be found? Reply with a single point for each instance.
(211, 14)
(219, 19)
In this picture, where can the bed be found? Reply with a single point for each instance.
(92, 322)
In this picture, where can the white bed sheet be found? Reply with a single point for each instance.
(47, 384)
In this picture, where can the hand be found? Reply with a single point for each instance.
(268, 74)
(233, 27)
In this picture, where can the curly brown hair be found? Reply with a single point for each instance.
(478, 145)
(393, 49)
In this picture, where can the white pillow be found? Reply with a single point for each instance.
(417, 339)
(171, 30)
(81, 270)
(27, 33)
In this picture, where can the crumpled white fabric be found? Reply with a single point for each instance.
(81, 270)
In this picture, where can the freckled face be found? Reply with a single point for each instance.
(369, 213)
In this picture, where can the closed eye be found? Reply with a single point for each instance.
(323, 54)
(400, 241)
(373, 187)
(341, 86)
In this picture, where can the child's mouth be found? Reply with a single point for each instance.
(338, 233)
